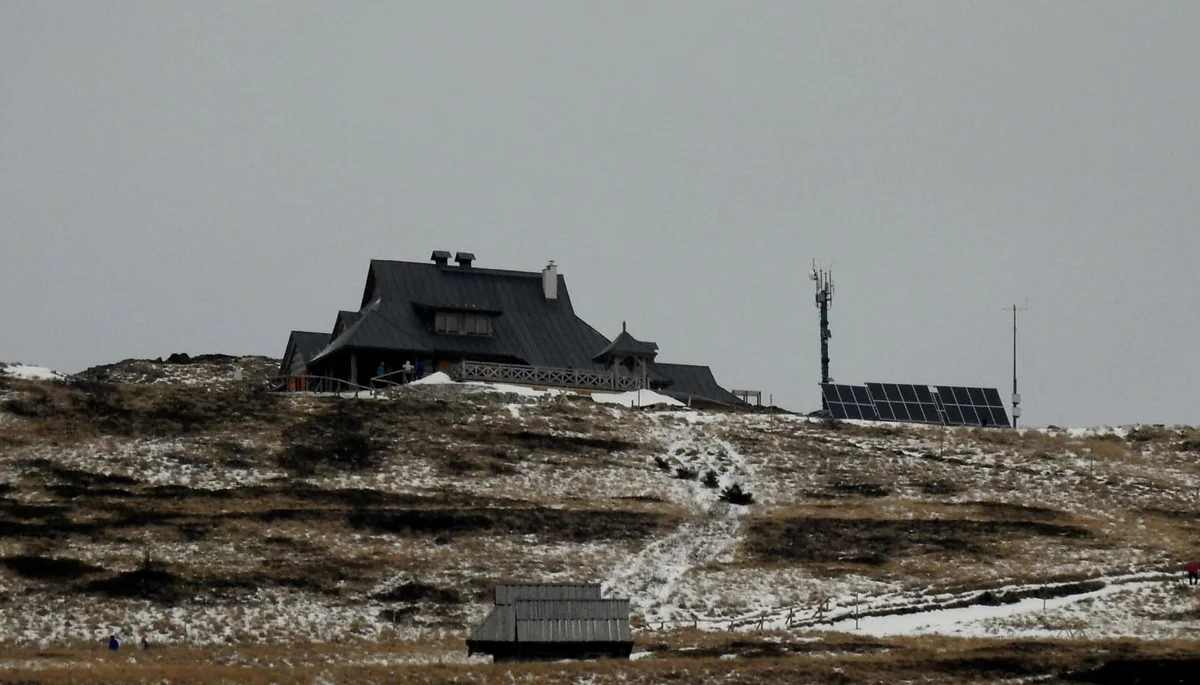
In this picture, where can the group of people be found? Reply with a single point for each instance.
(114, 644)
(409, 372)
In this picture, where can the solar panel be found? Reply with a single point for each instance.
(904, 402)
(951, 405)
(848, 402)
(965, 406)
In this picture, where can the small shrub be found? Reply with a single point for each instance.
(686, 473)
(940, 487)
(735, 495)
(710, 479)
(413, 592)
(661, 463)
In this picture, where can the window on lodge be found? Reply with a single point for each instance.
(462, 324)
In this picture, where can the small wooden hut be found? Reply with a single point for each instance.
(551, 621)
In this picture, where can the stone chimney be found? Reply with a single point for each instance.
(550, 281)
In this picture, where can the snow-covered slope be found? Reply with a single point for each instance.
(30, 373)
(200, 516)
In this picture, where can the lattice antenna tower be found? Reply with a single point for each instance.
(823, 279)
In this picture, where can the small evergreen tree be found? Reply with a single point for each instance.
(735, 495)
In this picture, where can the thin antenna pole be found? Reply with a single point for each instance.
(1016, 398)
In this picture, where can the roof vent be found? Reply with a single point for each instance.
(440, 257)
(464, 259)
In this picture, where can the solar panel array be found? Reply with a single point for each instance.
(972, 406)
(904, 402)
(849, 402)
(949, 405)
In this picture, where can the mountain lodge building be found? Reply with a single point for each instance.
(481, 324)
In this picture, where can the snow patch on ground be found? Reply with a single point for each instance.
(439, 378)
(30, 373)
(649, 579)
(1070, 616)
(636, 398)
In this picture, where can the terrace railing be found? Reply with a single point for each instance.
(320, 384)
(586, 379)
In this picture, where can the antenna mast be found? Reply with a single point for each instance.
(1016, 398)
(823, 279)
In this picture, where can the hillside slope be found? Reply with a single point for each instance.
(216, 515)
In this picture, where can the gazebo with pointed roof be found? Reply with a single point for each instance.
(628, 356)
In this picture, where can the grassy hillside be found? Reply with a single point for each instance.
(231, 525)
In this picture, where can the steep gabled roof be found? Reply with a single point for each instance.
(344, 320)
(527, 327)
(689, 380)
(307, 343)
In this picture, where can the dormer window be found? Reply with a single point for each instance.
(457, 323)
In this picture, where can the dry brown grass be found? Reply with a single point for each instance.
(551, 475)
(683, 656)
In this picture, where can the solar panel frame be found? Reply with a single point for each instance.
(904, 402)
(912, 403)
(954, 415)
(972, 406)
(843, 402)
(884, 409)
(931, 412)
(861, 396)
(992, 396)
(1000, 416)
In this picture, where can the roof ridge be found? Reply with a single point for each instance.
(446, 268)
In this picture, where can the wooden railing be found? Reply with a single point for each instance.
(321, 384)
(583, 379)
(544, 375)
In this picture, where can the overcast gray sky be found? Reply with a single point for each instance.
(206, 176)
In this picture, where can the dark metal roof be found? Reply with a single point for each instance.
(507, 593)
(625, 345)
(308, 343)
(344, 320)
(688, 380)
(530, 609)
(530, 328)
(500, 625)
(574, 630)
(591, 620)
